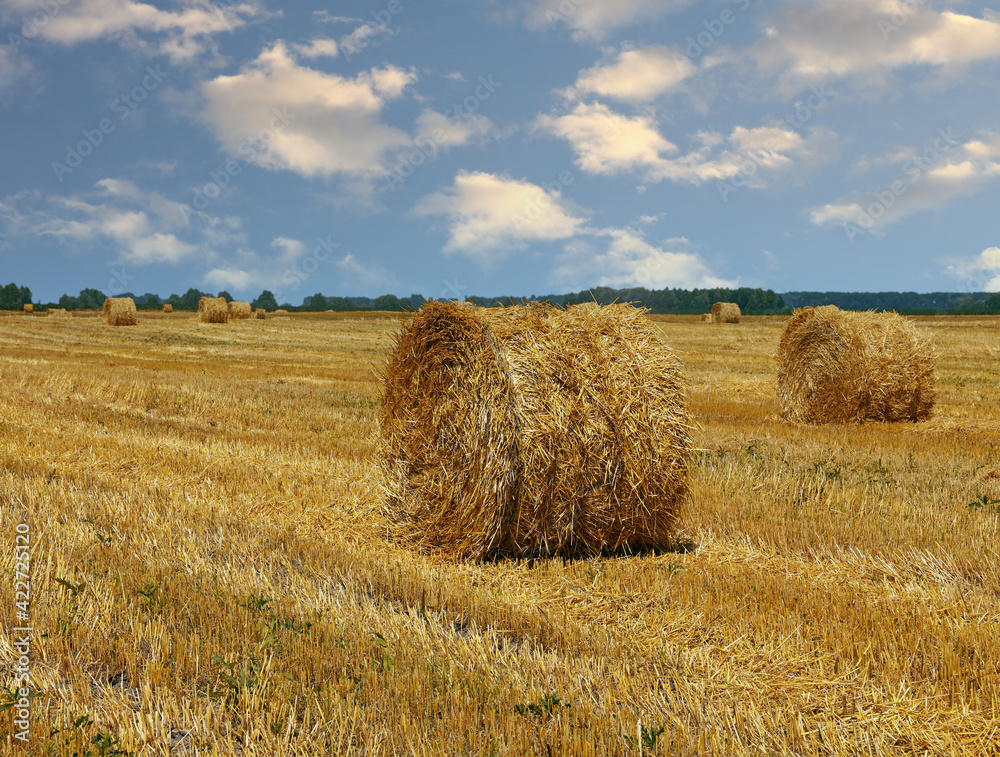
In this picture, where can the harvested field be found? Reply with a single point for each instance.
(211, 575)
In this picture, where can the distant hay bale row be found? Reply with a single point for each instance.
(120, 311)
(58, 313)
(239, 311)
(213, 310)
(725, 312)
(168, 308)
(533, 431)
(837, 366)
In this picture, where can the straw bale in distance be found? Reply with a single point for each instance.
(533, 431)
(29, 308)
(725, 312)
(58, 312)
(213, 310)
(120, 311)
(281, 311)
(260, 314)
(838, 366)
(706, 317)
(168, 308)
(239, 311)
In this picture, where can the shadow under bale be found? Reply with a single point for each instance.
(532, 431)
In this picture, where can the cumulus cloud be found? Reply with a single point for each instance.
(143, 227)
(490, 213)
(442, 132)
(606, 142)
(595, 19)
(621, 258)
(318, 48)
(635, 75)
(14, 69)
(181, 34)
(977, 273)
(865, 40)
(316, 123)
(927, 178)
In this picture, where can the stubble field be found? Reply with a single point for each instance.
(210, 572)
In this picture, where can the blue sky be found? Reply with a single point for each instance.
(477, 147)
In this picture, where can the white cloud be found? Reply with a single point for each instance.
(320, 124)
(595, 19)
(318, 48)
(435, 128)
(635, 75)
(979, 273)
(14, 68)
(182, 34)
(928, 179)
(142, 227)
(866, 40)
(628, 260)
(607, 143)
(488, 213)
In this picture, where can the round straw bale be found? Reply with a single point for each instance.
(168, 308)
(260, 313)
(29, 307)
(120, 311)
(239, 311)
(213, 310)
(58, 312)
(836, 366)
(725, 312)
(706, 317)
(281, 311)
(529, 430)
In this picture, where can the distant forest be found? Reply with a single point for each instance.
(752, 301)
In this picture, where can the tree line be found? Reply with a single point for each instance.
(752, 301)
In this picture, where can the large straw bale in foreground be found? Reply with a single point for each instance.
(836, 366)
(533, 431)
(29, 308)
(120, 311)
(239, 311)
(213, 310)
(725, 312)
